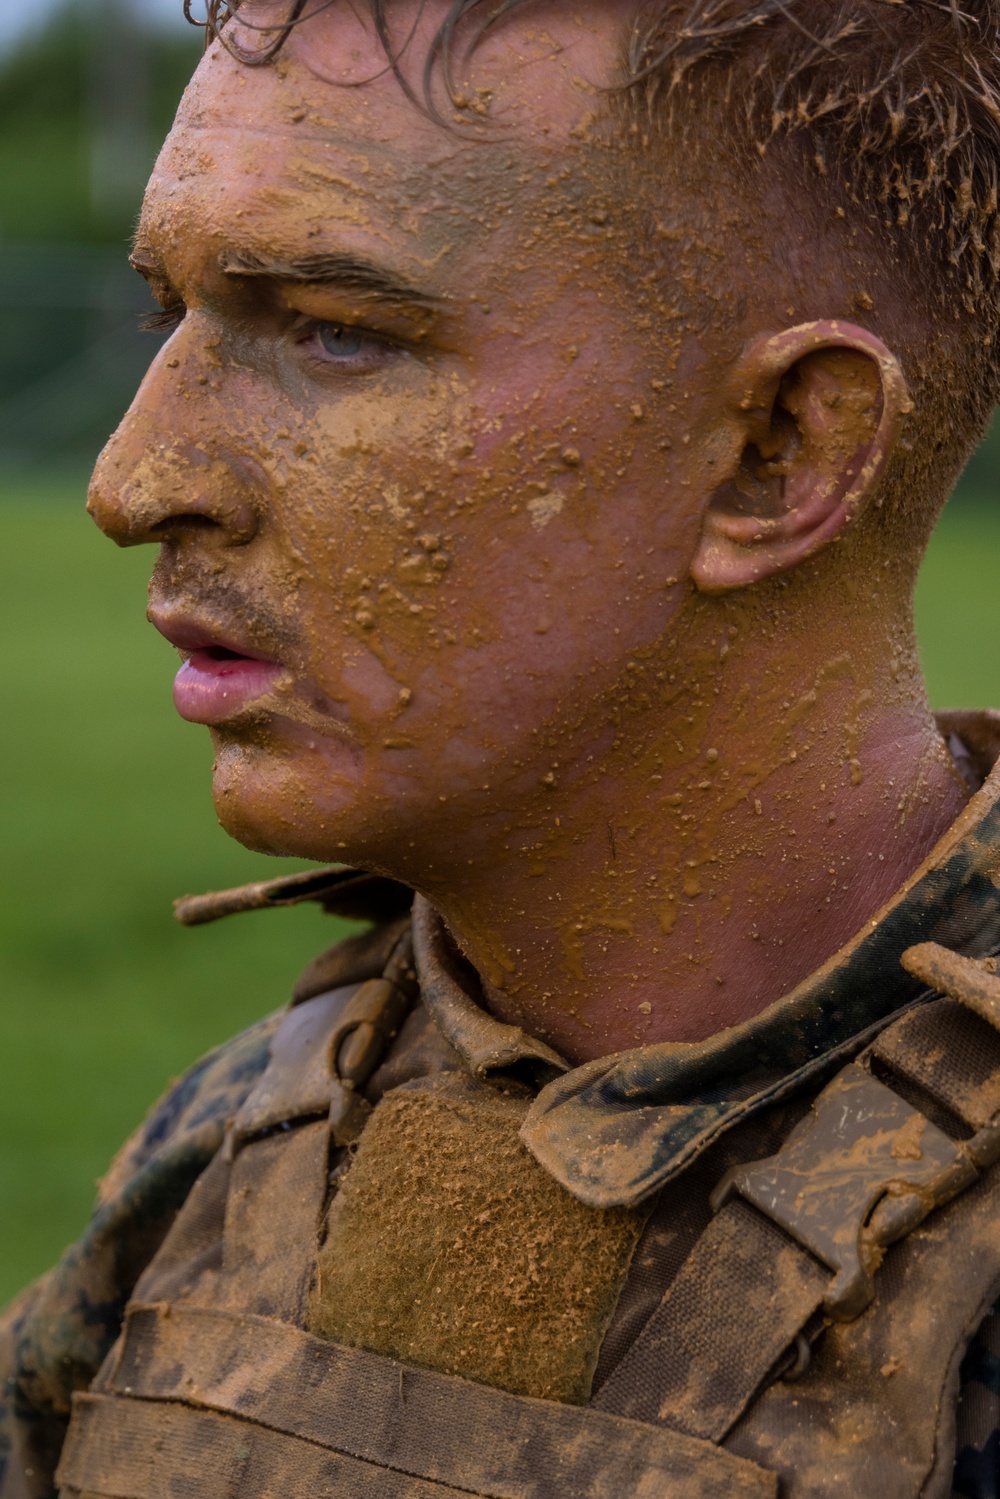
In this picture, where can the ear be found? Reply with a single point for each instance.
(814, 413)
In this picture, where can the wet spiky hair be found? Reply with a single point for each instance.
(899, 99)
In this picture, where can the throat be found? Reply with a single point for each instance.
(670, 931)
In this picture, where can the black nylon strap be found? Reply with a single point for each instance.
(738, 1302)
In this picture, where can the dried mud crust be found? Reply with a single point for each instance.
(449, 1247)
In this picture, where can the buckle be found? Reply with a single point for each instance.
(858, 1173)
(368, 1021)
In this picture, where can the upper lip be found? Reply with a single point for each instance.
(190, 634)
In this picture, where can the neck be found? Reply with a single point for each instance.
(725, 833)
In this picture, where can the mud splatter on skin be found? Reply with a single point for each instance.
(470, 544)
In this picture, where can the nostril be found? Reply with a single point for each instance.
(234, 524)
(174, 523)
(138, 497)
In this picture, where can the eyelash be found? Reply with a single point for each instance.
(168, 319)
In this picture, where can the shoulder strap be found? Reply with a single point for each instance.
(247, 1236)
(798, 1238)
(307, 1101)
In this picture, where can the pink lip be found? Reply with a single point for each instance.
(220, 678)
(214, 684)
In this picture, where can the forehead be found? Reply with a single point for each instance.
(323, 149)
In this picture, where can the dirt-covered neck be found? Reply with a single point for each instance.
(758, 786)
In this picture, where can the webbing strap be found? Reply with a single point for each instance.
(400, 1420)
(132, 1449)
(296, 1081)
(856, 1175)
(949, 1052)
(741, 1297)
(276, 1195)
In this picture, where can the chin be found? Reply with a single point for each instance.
(255, 824)
(292, 806)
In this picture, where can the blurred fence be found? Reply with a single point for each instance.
(72, 350)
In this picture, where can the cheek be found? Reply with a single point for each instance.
(417, 521)
(464, 553)
(366, 492)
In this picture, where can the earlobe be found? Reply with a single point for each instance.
(817, 410)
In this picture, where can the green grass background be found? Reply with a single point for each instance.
(105, 816)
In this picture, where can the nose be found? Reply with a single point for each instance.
(166, 467)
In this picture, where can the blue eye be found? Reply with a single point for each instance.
(340, 342)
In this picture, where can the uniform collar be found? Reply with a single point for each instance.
(617, 1129)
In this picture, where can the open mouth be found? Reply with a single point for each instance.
(216, 683)
(221, 653)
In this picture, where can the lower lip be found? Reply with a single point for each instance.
(210, 688)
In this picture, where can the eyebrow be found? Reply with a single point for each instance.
(350, 272)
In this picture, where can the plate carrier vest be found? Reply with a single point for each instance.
(795, 1352)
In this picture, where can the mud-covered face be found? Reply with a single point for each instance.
(416, 453)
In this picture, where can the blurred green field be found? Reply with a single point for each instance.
(105, 816)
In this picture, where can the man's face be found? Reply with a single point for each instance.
(416, 454)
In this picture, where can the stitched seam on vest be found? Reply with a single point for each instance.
(114, 1401)
(164, 1344)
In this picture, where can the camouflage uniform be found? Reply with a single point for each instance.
(642, 1137)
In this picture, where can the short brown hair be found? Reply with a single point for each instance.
(900, 100)
(892, 107)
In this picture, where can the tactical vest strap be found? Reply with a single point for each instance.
(327, 1047)
(738, 1301)
(278, 1148)
(116, 1448)
(863, 1169)
(894, 1136)
(343, 1421)
(276, 1196)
